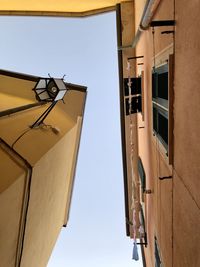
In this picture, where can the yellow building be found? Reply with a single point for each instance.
(37, 168)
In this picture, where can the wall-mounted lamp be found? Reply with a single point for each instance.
(49, 90)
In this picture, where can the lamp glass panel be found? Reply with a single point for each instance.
(60, 95)
(61, 85)
(43, 95)
(41, 84)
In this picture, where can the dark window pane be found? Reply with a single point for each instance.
(160, 83)
(163, 85)
(163, 127)
(126, 89)
(155, 123)
(154, 82)
(134, 103)
(137, 103)
(127, 106)
(135, 86)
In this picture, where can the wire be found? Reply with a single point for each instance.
(20, 136)
(42, 126)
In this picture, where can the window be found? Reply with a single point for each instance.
(162, 90)
(136, 102)
(135, 86)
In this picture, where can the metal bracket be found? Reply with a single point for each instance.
(165, 177)
(148, 191)
(135, 57)
(145, 241)
(40, 120)
(167, 32)
(161, 23)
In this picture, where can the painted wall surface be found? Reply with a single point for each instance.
(127, 34)
(172, 210)
(12, 184)
(10, 206)
(36, 142)
(15, 92)
(8, 177)
(50, 189)
(158, 205)
(186, 135)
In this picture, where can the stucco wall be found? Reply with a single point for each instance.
(127, 33)
(10, 207)
(186, 135)
(15, 96)
(173, 208)
(50, 189)
(158, 205)
(36, 142)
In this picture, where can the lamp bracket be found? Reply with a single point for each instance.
(40, 120)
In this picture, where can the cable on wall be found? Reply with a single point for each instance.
(42, 126)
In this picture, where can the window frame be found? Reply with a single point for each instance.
(164, 107)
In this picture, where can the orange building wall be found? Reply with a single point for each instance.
(173, 209)
(186, 201)
(158, 205)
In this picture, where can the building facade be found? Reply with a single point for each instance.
(158, 48)
(159, 96)
(37, 168)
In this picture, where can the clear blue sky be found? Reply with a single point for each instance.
(86, 51)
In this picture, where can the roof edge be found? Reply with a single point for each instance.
(76, 87)
(18, 75)
(83, 14)
(122, 120)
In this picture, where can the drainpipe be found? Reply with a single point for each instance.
(147, 16)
